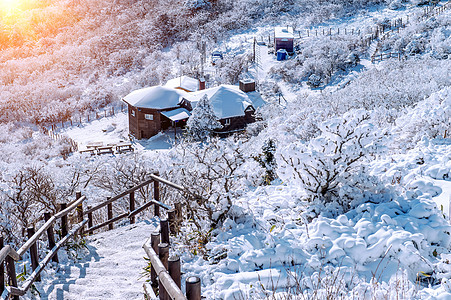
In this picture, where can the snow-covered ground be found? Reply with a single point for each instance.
(113, 130)
(110, 267)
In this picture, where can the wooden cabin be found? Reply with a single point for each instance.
(156, 108)
(284, 39)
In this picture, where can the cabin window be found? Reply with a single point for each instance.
(284, 40)
(133, 113)
(148, 117)
(227, 122)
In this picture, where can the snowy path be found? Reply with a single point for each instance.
(111, 269)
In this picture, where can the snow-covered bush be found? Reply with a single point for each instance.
(329, 166)
(202, 121)
(429, 118)
(215, 172)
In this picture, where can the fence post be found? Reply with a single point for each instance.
(156, 195)
(163, 255)
(90, 223)
(193, 288)
(132, 205)
(64, 229)
(175, 270)
(79, 210)
(2, 269)
(164, 231)
(11, 270)
(51, 237)
(110, 213)
(33, 252)
(155, 240)
(172, 221)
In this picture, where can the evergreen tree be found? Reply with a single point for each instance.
(202, 121)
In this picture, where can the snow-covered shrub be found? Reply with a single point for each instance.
(215, 172)
(429, 118)
(314, 80)
(328, 167)
(202, 121)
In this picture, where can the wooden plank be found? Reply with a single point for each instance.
(30, 280)
(15, 291)
(8, 251)
(117, 218)
(164, 181)
(148, 290)
(146, 205)
(71, 207)
(171, 287)
(119, 196)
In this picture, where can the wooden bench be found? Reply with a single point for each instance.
(121, 148)
(105, 150)
(92, 151)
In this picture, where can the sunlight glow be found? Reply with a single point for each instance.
(7, 6)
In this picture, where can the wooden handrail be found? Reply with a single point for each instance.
(47, 224)
(168, 183)
(8, 251)
(29, 281)
(117, 197)
(170, 286)
(108, 222)
(14, 291)
(146, 205)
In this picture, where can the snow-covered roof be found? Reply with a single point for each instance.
(156, 97)
(184, 82)
(283, 32)
(228, 100)
(177, 114)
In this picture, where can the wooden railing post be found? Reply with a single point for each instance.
(51, 236)
(33, 252)
(156, 195)
(132, 205)
(2, 269)
(163, 255)
(110, 214)
(175, 270)
(164, 231)
(172, 221)
(193, 288)
(79, 210)
(155, 240)
(90, 223)
(11, 270)
(64, 226)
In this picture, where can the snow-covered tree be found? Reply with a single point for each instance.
(202, 121)
(328, 163)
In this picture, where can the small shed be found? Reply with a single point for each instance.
(284, 39)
